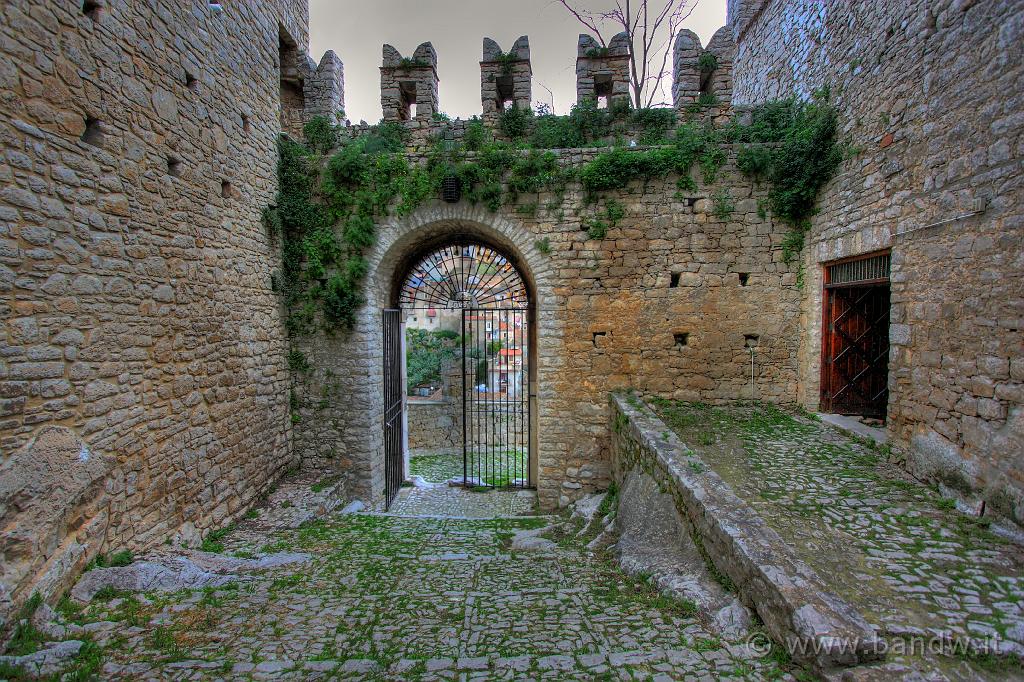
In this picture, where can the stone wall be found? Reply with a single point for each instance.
(434, 425)
(143, 382)
(930, 97)
(668, 302)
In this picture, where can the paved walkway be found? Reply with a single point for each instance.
(388, 597)
(440, 499)
(905, 557)
(494, 466)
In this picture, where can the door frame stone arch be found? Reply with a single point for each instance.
(400, 240)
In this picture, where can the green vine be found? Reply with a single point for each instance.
(615, 169)
(407, 63)
(793, 145)
(707, 62)
(333, 191)
(507, 60)
(722, 204)
(321, 272)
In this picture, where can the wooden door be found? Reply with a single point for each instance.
(855, 335)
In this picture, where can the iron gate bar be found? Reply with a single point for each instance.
(482, 283)
(394, 402)
(496, 399)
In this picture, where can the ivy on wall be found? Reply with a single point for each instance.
(793, 145)
(333, 191)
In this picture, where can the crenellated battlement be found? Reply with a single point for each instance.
(602, 73)
(700, 72)
(505, 78)
(408, 86)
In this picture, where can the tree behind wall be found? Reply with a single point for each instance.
(428, 354)
(650, 27)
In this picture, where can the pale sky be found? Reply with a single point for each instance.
(355, 30)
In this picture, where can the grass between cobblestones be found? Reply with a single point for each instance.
(890, 545)
(497, 469)
(389, 598)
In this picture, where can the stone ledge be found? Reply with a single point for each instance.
(815, 625)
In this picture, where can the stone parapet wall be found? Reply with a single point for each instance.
(434, 425)
(798, 612)
(143, 382)
(929, 95)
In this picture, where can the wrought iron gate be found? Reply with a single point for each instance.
(483, 286)
(496, 397)
(393, 406)
(855, 337)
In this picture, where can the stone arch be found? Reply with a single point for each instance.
(400, 240)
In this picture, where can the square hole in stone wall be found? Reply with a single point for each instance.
(673, 280)
(599, 338)
(681, 339)
(191, 82)
(92, 9)
(743, 277)
(246, 124)
(225, 189)
(93, 134)
(174, 166)
(751, 340)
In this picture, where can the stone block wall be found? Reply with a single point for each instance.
(408, 82)
(435, 425)
(665, 304)
(602, 71)
(143, 382)
(505, 79)
(930, 96)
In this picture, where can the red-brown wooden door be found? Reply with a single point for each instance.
(855, 335)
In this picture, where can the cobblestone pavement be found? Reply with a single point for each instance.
(458, 502)
(495, 468)
(413, 598)
(897, 550)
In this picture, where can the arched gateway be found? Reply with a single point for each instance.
(473, 291)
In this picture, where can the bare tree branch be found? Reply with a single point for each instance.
(650, 33)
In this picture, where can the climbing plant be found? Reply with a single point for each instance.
(792, 144)
(333, 190)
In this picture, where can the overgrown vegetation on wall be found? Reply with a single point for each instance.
(792, 144)
(335, 190)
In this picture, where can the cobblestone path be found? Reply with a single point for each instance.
(495, 468)
(444, 500)
(400, 598)
(897, 550)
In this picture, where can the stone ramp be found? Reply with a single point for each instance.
(792, 600)
(941, 588)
